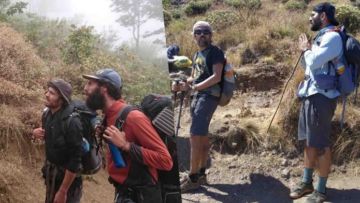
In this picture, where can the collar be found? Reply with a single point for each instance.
(327, 28)
(114, 109)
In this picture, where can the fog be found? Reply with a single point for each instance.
(97, 13)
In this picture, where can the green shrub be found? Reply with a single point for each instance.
(355, 3)
(222, 19)
(176, 14)
(246, 4)
(350, 17)
(166, 4)
(280, 32)
(234, 3)
(79, 45)
(197, 7)
(295, 5)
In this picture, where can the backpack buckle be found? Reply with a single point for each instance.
(119, 124)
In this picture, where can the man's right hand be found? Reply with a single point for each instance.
(38, 133)
(180, 86)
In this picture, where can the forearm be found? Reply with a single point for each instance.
(210, 81)
(157, 157)
(67, 181)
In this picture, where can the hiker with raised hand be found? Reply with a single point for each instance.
(140, 145)
(321, 59)
(62, 146)
(208, 64)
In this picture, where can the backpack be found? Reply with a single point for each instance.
(159, 109)
(227, 83)
(348, 81)
(91, 160)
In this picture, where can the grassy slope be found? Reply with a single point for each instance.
(258, 38)
(23, 74)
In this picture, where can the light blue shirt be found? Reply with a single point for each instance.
(327, 47)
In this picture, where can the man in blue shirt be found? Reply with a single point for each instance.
(321, 60)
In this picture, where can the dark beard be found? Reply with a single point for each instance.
(316, 25)
(95, 100)
(204, 43)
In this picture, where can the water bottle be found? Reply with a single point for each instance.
(85, 145)
(116, 155)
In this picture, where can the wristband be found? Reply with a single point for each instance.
(193, 87)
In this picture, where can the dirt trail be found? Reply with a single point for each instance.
(264, 176)
(261, 177)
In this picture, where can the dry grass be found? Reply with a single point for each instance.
(19, 63)
(237, 139)
(22, 75)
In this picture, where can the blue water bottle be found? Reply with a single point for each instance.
(117, 157)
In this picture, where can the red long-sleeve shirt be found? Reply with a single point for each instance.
(149, 148)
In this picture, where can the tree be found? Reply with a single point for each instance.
(134, 13)
(79, 45)
(8, 9)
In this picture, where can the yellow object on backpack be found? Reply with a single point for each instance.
(182, 62)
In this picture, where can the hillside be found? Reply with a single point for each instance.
(33, 50)
(260, 40)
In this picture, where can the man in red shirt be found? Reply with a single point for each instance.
(140, 145)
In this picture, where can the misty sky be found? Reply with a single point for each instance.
(97, 13)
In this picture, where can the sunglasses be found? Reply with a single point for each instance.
(205, 32)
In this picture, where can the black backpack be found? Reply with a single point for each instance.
(159, 109)
(91, 161)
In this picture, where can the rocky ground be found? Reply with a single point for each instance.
(265, 176)
(260, 175)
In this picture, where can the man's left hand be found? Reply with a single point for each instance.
(60, 196)
(117, 137)
(304, 43)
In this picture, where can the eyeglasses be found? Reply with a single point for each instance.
(205, 32)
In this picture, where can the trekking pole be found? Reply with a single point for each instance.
(343, 113)
(182, 96)
(282, 95)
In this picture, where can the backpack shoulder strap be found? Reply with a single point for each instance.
(66, 121)
(44, 116)
(207, 59)
(194, 58)
(122, 115)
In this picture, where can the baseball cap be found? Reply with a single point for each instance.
(106, 75)
(329, 11)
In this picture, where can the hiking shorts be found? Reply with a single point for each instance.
(315, 117)
(202, 109)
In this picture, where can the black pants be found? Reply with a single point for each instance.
(138, 194)
(54, 176)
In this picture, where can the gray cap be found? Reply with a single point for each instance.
(107, 75)
(63, 87)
